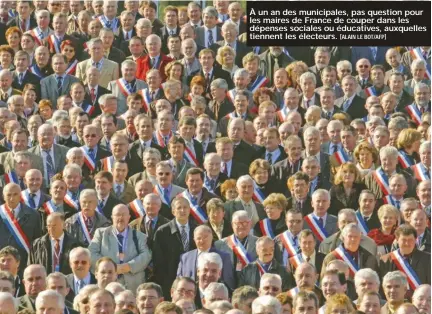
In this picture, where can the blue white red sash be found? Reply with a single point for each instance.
(124, 87)
(414, 113)
(88, 108)
(318, 231)
(406, 268)
(231, 115)
(35, 70)
(341, 156)
(137, 207)
(366, 119)
(404, 160)
(231, 95)
(54, 43)
(25, 198)
(191, 157)
(108, 163)
(11, 177)
(296, 260)
(266, 228)
(157, 189)
(362, 223)
(196, 211)
(258, 195)
(90, 163)
(70, 201)
(371, 91)
(261, 268)
(420, 172)
(37, 35)
(293, 292)
(341, 254)
(49, 207)
(72, 67)
(104, 22)
(147, 99)
(289, 244)
(282, 115)
(260, 81)
(382, 181)
(83, 225)
(390, 200)
(417, 54)
(14, 227)
(239, 250)
(12, 13)
(160, 139)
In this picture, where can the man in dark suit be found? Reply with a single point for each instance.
(272, 151)
(327, 99)
(21, 74)
(93, 152)
(351, 103)
(33, 196)
(243, 152)
(79, 261)
(309, 97)
(170, 241)
(213, 177)
(193, 149)
(188, 262)
(283, 169)
(298, 185)
(24, 20)
(106, 200)
(20, 216)
(273, 59)
(220, 105)
(54, 41)
(32, 273)
(375, 55)
(367, 214)
(233, 169)
(13, 257)
(171, 27)
(52, 250)
(322, 59)
(93, 91)
(419, 261)
(311, 167)
(241, 111)
(41, 66)
(395, 83)
(126, 30)
(337, 53)
(111, 53)
(209, 33)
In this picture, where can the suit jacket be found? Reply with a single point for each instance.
(121, 43)
(405, 71)
(29, 78)
(167, 249)
(222, 109)
(68, 211)
(357, 109)
(101, 153)
(410, 84)
(6, 159)
(60, 152)
(373, 221)
(330, 225)
(116, 55)
(405, 100)
(314, 70)
(17, 22)
(337, 89)
(128, 194)
(372, 184)
(339, 199)
(241, 50)
(144, 65)
(41, 253)
(244, 153)
(164, 34)
(71, 283)
(384, 90)
(217, 73)
(49, 87)
(305, 207)
(73, 227)
(278, 226)
(336, 109)
(224, 121)
(333, 242)
(200, 36)
(110, 203)
(136, 152)
(281, 171)
(232, 206)
(69, 142)
(100, 91)
(109, 71)
(267, 64)
(319, 259)
(105, 243)
(139, 224)
(226, 231)
(238, 169)
(358, 53)
(222, 245)
(365, 260)
(115, 89)
(282, 156)
(189, 261)
(303, 104)
(26, 303)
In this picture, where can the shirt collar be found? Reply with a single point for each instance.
(60, 239)
(179, 226)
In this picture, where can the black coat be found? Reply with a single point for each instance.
(87, 98)
(100, 154)
(66, 142)
(279, 226)
(282, 170)
(41, 253)
(357, 109)
(306, 207)
(70, 280)
(111, 202)
(217, 73)
(226, 231)
(139, 224)
(136, 154)
(29, 78)
(16, 22)
(282, 156)
(404, 101)
(221, 110)
(223, 122)
(339, 200)
(244, 153)
(238, 169)
(167, 248)
(116, 55)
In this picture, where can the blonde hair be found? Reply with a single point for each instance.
(276, 199)
(387, 208)
(348, 166)
(221, 51)
(407, 137)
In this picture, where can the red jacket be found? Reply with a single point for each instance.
(143, 66)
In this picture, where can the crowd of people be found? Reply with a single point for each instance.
(162, 166)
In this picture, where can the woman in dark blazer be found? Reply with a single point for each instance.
(275, 206)
(346, 189)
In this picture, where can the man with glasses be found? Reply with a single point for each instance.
(164, 187)
(183, 288)
(131, 257)
(351, 103)
(149, 295)
(363, 73)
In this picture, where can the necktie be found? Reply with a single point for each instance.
(118, 191)
(422, 110)
(225, 168)
(81, 284)
(210, 38)
(212, 184)
(335, 148)
(152, 62)
(153, 96)
(308, 103)
(93, 95)
(307, 259)
(269, 158)
(20, 78)
(276, 65)
(49, 165)
(97, 65)
(328, 115)
(89, 224)
(120, 238)
(149, 227)
(397, 204)
(21, 184)
(56, 254)
(194, 200)
(166, 194)
(23, 25)
(91, 153)
(321, 222)
(59, 83)
(108, 24)
(418, 242)
(32, 201)
(299, 205)
(207, 79)
(295, 241)
(126, 36)
(366, 218)
(184, 238)
(101, 204)
(345, 104)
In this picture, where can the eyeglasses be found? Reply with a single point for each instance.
(90, 135)
(184, 291)
(240, 223)
(363, 66)
(163, 174)
(55, 4)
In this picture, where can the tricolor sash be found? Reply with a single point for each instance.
(72, 67)
(14, 227)
(371, 91)
(108, 163)
(87, 234)
(258, 195)
(37, 35)
(261, 268)
(90, 163)
(49, 207)
(36, 71)
(406, 268)
(88, 108)
(191, 157)
(160, 139)
(11, 177)
(341, 254)
(318, 231)
(382, 181)
(282, 115)
(260, 81)
(157, 189)
(239, 250)
(25, 198)
(296, 260)
(124, 87)
(417, 54)
(420, 172)
(104, 22)
(266, 228)
(405, 160)
(341, 156)
(388, 199)
(137, 207)
(147, 99)
(197, 212)
(293, 292)
(362, 223)
(70, 201)
(414, 113)
(289, 244)
(54, 44)
(231, 95)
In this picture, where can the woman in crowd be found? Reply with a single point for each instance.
(226, 58)
(295, 70)
(275, 206)
(388, 216)
(229, 190)
(174, 71)
(69, 50)
(6, 57)
(367, 157)
(30, 97)
(13, 38)
(408, 143)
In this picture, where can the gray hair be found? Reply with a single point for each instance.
(313, 108)
(421, 84)
(211, 11)
(398, 123)
(425, 146)
(375, 119)
(153, 36)
(209, 258)
(244, 178)
(269, 276)
(6, 296)
(201, 228)
(308, 75)
(397, 276)
(51, 294)
(72, 167)
(321, 191)
(128, 62)
(388, 151)
(106, 97)
(290, 90)
(79, 249)
(266, 301)
(321, 49)
(74, 151)
(125, 292)
(215, 286)
(219, 83)
(153, 151)
(209, 156)
(94, 41)
(229, 24)
(366, 273)
(221, 305)
(239, 215)
(153, 196)
(342, 63)
(312, 130)
(146, 22)
(198, 100)
(347, 211)
(350, 227)
(88, 192)
(187, 41)
(241, 72)
(418, 63)
(13, 98)
(45, 127)
(59, 115)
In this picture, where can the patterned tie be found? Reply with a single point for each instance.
(210, 38)
(20, 78)
(321, 222)
(126, 36)
(49, 165)
(120, 238)
(91, 153)
(276, 65)
(269, 158)
(81, 284)
(149, 227)
(345, 104)
(23, 26)
(21, 184)
(152, 62)
(56, 255)
(59, 84)
(225, 168)
(397, 204)
(101, 204)
(92, 95)
(89, 224)
(118, 191)
(335, 148)
(184, 239)
(328, 115)
(32, 201)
